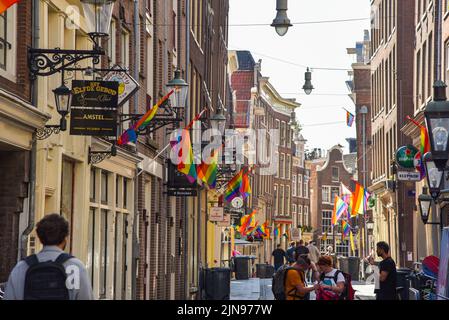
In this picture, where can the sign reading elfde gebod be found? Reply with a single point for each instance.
(95, 94)
(94, 108)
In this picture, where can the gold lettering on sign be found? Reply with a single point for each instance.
(94, 87)
(93, 117)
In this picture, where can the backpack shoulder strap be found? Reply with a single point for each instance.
(32, 260)
(63, 257)
(336, 275)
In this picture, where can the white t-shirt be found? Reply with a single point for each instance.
(329, 278)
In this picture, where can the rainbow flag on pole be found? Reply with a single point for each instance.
(207, 171)
(349, 118)
(185, 154)
(5, 4)
(239, 185)
(359, 200)
(346, 228)
(340, 207)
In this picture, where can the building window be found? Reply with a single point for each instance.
(287, 167)
(300, 216)
(306, 216)
(8, 43)
(335, 175)
(294, 208)
(306, 187)
(343, 248)
(110, 205)
(67, 195)
(283, 133)
(112, 42)
(275, 199)
(326, 194)
(281, 166)
(300, 193)
(287, 197)
(326, 221)
(325, 244)
(335, 191)
(294, 186)
(282, 200)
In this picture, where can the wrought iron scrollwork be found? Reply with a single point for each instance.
(45, 132)
(45, 62)
(95, 157)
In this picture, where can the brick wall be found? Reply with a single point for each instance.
(13, 190)
(21, 88)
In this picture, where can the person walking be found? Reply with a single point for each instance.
(314, 255)
(301, 250)
(290, 254)
(387, 273)
(51, 274)
(332, 281)
(279, 256)
(295, 281)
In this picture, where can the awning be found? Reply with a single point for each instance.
(240, 242)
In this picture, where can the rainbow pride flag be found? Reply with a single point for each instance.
(5, 4)
(340, 207)
(349, 118)
(130, 135)
(346, 228)
(207, 171)
(186, 164)
(276, 231)
(359, 197)
(245, 188)
(233, 188)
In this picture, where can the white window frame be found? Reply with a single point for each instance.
(112, 43)
(294, 185)
(300, 191)
(326, 195)
(326, 220)
(10, 70)
(305, 191)
(306, 216)
(300, 216)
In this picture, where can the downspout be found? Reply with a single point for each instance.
(136, 249)
(32, 182)
(186, 120)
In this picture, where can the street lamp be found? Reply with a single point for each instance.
(437, 121)
(434, 175)
(308, 87)
(63, 99)
(98, 15)
(281, 23)
(181, 88)
(218, 120)
(370, 225)
(425, 202)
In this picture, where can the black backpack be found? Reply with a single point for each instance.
(278, 284)
(46, 280)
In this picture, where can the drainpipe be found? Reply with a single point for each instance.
(136, 249)
(32, 189)
(184, 200)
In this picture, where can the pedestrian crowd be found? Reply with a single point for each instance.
(302, 269)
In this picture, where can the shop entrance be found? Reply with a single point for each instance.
(14, 177)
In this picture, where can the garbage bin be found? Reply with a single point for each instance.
(242, 267)
(261, 270)
(217, 284)
(343, 264)
(402, 280)
(354, 268)
(269, 271)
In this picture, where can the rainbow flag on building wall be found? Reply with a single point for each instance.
(5, 4)
(359, 201)
(349, 118)
(340, 207)
(207, 171)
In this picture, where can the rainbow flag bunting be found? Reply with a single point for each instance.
(340, 207)
(5, 4)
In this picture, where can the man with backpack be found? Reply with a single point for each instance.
(289, 283)
(290, 254)
(51, 274)
(334, 284)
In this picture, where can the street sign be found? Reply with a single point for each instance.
(409, 176)
(182, 193)
(226, 221)
(405, 156)
(127, 84)
(216, 214)
(90, 122)
(94, 94)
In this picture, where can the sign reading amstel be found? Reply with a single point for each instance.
(94, 108)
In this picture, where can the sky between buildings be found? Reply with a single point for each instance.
(314, 45)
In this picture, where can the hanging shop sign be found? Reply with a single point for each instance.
(95, 94)
(93, 122)
(237, 202)
(295, 234)
(405, 156)
(178, 185)
(127, 84)
(216, 214)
